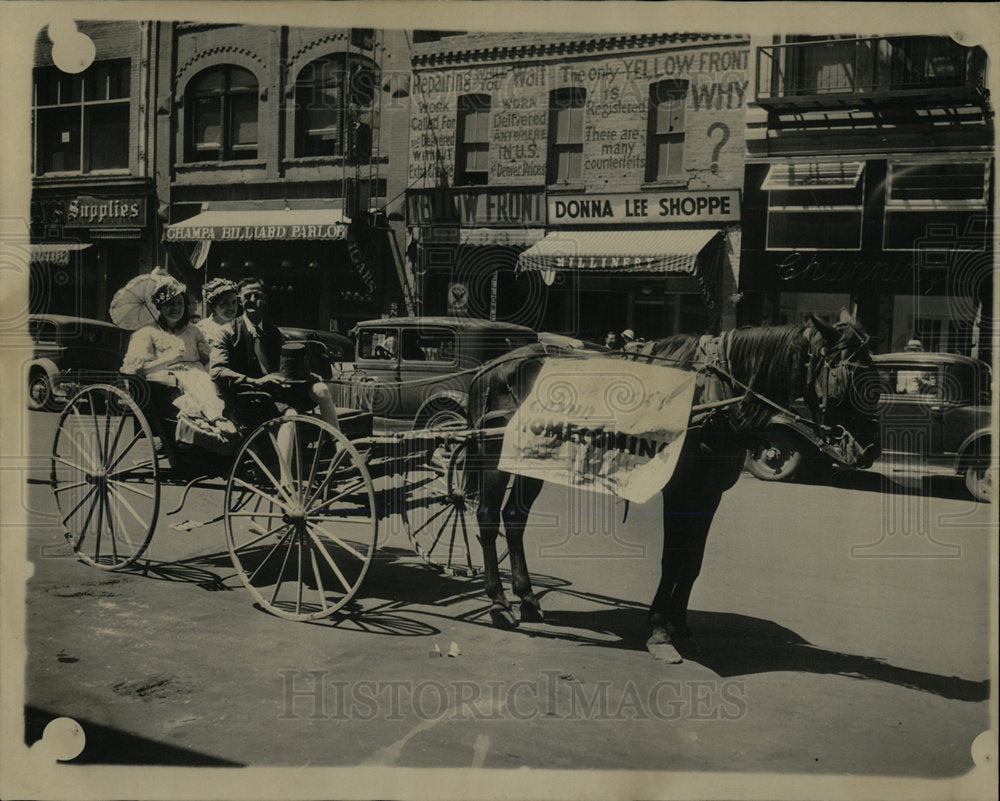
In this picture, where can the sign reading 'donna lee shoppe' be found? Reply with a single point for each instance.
(718, 205)
(602, 424)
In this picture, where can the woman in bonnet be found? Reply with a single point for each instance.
(222, 304)
(173, 352)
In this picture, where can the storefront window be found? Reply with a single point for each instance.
(936, 205)
(814, 206)
(566, 135)
(473, 145)
(222, 108)
(665, 140)
(82, 121)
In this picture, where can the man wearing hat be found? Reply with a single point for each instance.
(629, 341)
(252, 357)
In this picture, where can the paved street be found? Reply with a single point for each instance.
(839, 630)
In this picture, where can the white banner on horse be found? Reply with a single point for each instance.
(607, 425)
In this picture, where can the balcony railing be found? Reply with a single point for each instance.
(876, 67)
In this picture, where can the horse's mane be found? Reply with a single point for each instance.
(772, 361)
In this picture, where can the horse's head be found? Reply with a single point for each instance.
(844, 387)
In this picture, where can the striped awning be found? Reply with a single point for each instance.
(55, 253)
(622, 251)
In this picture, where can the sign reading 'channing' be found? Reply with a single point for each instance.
(607, 425)
(721, 205)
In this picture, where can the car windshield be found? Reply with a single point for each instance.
(948, 383)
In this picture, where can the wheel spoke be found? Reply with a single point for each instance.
(350, 549)
(322, 507)
(465, 537)
(79, 449)
(268, 557)
(121, 522)
(445, 509)
(298, 597)
(82, 501)
(140, 434)
(263, 536)
(329, 474)
(131, 510)
(284, 562)
(277, 515)
(319, 579)
(329, 560)
(315, 464)
(118, 433)
(118, 482)
(274, 482)
(70, 486)
(285, 468)
(97, 433)
(73, 465)
(86, 525)
(259, 492)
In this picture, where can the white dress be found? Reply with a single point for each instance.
(213, 330)
(179, 357)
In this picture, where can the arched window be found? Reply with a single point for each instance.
(222, 115)
(334, 99)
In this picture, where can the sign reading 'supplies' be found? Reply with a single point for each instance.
(606, 425)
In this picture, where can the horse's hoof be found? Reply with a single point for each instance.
(660, 647)
(531, 613)
(502, 617)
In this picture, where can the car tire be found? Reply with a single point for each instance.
(777, 456)
(979, 481)
(41, 396)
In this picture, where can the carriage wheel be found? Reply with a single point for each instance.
(105, 477)
(301, 520)
(440, 515)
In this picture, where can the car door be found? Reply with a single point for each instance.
(428, 360)
(909, 424)
(378, 387)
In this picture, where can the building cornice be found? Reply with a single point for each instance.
(480, 49)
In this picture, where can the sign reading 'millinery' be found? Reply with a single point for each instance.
(715, 205)
(602, 424)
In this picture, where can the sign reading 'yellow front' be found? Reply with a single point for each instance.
(607, 425)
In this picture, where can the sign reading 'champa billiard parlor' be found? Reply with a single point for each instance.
(605, 425)
(716, 205)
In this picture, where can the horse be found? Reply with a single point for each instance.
(830, 366)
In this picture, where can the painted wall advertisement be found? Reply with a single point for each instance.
(601, 424)
(617, 92)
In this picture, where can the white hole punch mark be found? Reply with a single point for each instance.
(72, 51)
(62, 740)
(984, 749)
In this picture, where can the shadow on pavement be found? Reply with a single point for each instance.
(108, 746)
(881, 479)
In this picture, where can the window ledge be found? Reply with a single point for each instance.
(678, 184)
(236, 164)
(567, 188)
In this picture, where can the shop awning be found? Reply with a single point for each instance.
(813, 175)
(477, 237)
(618, 251)
(260, 225)
(56, 253)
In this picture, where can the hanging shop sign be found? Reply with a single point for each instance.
(476, 207)
(714, 205)
(98, 212)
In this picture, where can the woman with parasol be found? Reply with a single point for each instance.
(172, 351)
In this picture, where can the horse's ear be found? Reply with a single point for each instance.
(830, 334)
(846, 317)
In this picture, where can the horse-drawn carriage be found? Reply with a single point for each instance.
(303, 502)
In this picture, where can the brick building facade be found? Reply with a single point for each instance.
(276, 157)
(579, 184)
(93, 202)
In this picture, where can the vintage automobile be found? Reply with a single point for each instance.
(934, 416)
(326, 348)
(69, 353)
(418, 369)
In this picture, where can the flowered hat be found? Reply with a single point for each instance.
(168, 289)
(216, 288)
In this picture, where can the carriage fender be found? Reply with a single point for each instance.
(971, 448)
(460, 399)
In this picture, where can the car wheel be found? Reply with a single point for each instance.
(777, 456)
(40, 394)
(979, 481)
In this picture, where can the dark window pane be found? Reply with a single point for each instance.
(59, 131)
(211, 81)
(938, 181)
(207, 126)
(243, 114)
(833, 230)
(934, 230)
(107, 136)
(241, 79)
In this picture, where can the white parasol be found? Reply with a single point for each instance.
(131, 307)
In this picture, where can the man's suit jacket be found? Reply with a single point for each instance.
(234, 358)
